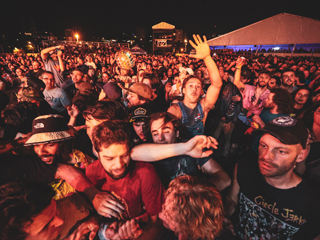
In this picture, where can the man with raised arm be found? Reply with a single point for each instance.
(252, 97)
(164, 129)
(52, 58)
(192, 111)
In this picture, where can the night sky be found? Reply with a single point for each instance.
(109, 19)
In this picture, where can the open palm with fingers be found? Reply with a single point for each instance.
(201, 47)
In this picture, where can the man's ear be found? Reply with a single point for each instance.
(302, 155)
(183, 91)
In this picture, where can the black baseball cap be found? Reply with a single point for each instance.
(287, 129)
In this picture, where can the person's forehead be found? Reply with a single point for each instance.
(160, 124)
(274, 142)
(139, 122)
(194, 81)
(115, 149)
(132, 94)
(264, 75)
(46, 144)
(47, 75)
(303, 91)
(288, 73)
(76, 72)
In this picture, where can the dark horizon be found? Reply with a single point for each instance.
(101, 19)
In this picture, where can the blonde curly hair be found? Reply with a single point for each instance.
(197, 206)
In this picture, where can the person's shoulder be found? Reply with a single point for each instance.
(175, 110)
(143, 170)
(311, 188)
(143, 166)
(95, 169)
(95, 165)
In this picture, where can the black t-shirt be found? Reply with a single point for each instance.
(168, 169)
(313, 163)
(266, 212)
(35, 74)
(25, 168)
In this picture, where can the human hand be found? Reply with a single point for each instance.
(73, 111)
(111, 231)
(201, 47)
(194, 147)
(257, 119)
(91, 225)
(130, 229)
(254, 125)
(240, 62)
(107, 205)
(233, 63)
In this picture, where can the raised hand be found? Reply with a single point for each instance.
(194, 147)
(240, 62)
(201, 47)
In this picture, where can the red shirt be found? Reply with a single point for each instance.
(141, 188)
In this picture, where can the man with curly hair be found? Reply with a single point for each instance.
(193, 209)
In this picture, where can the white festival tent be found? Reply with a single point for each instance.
(281, 29)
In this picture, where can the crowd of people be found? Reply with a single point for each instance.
(83, 155)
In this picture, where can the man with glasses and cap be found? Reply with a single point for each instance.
(269, 199)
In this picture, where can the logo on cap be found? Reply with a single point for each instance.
(140, 111)
(39, 125)
(284, 121)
